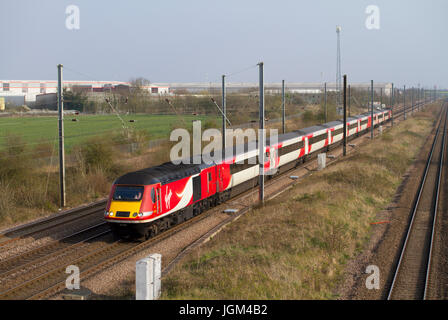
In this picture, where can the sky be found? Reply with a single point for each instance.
(199, 40)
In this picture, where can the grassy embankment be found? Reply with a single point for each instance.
(296, 246)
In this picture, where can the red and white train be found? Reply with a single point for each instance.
(145, 202)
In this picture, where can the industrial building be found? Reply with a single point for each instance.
(275, 87)
(19, 92)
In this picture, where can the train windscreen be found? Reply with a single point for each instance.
(125, 193)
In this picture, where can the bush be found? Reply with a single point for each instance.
(96, 153)
(14, 161)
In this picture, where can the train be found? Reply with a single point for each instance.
(146, 202)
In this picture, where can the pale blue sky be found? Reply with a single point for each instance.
(198, 40)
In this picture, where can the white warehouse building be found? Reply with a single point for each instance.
(27, 90)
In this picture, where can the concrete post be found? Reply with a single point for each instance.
(147, 277)
(321, 161)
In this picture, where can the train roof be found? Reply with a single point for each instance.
(332, 124)
(163, 173)
(284, 137)
(309, 130)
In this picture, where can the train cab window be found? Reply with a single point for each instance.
(125, 193)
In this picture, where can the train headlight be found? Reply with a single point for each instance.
(140, 214)
(111, 214)
(135, 214)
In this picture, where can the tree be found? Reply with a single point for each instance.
(74, 100)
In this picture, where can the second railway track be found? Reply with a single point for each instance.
(412, 272)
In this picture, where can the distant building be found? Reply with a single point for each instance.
(19, 92)
(46, 101)
(273, 87)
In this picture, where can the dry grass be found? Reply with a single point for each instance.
(296, 246)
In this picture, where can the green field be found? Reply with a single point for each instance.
(37, 130)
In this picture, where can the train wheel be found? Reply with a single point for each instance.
(151, 232)
(115, 232)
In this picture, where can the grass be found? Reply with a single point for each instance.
(296, 246)
(36, 130)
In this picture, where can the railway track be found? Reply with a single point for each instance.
(97, 258)
(40, 273)
(33, 229)
(412, 273)
(14, 264)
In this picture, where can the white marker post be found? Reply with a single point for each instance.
(147, 277)
(321, 161)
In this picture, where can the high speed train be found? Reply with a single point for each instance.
(148, 201)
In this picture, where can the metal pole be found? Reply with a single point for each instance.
(283, 107)
(61, 137)
(349, 101)
(381, 98)
(345, 116)
(419, 97)
(223, 115)
(325, 101)
(371, 110)
(412, 100)
(261, 135)
(392, 103)
(404, 101)
(338, 66)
